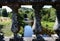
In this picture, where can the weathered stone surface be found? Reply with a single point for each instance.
(38, 27)
(57, 7)
(24, 0)
(28, 2)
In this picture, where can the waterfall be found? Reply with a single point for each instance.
(56, 24)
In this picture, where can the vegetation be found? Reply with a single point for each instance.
(4, 13)
(6, 29)
(48, 14)
(48, 17)
(47, 21)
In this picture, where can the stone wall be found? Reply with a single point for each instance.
(28, 0)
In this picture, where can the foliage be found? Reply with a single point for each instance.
(48, 25)
(21, 30)
(48, 14)
(4, 13)
(10, 14)
(22, 12)
(6, 27)
(48, 19)
(52, 15)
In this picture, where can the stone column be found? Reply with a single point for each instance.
(15, 23)
(57, 7)
(38, 28)
(1, 9)
(37, 9)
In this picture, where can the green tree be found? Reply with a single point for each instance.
(48, 14)
(4, 13)
(23, 11)
(10, 14)
(52, 15)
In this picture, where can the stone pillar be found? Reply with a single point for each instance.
(37, 9)
(57, 7)
(38, 28)
(15, 23)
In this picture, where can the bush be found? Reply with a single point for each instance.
(4, 13)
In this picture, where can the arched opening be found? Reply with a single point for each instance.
(25, 9)
(48, 19)
(6, 20)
